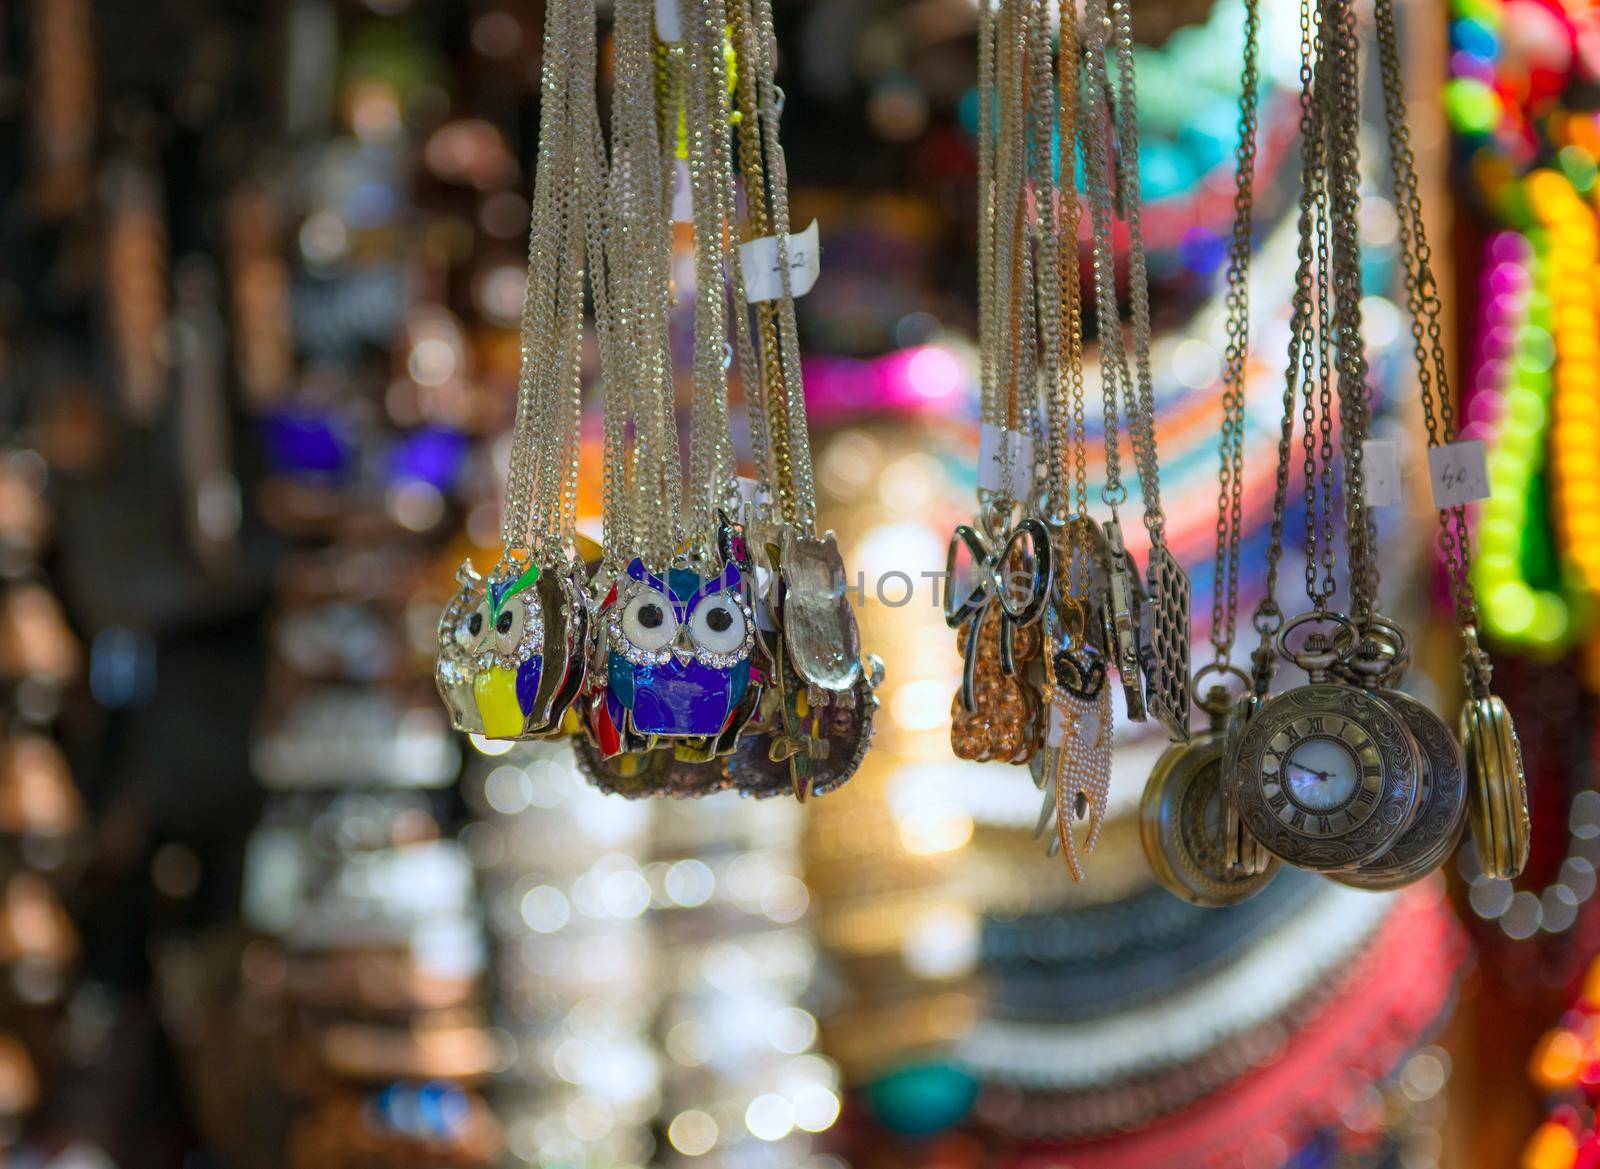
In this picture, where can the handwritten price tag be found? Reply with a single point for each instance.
(995, 446)
(1460, 473)
(669, 25)
(1380, 470)
(763, 279)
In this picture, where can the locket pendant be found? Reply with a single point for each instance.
(1185, 828)
(1245, 857)
(1497, 787)
(1441, 813)
(1190, 835)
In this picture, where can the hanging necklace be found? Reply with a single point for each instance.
(1075, 768)
(707, 678)
(677, 629)
(1149, 642)
(998, 576)
(516, 639)
(1381, 654)
(816, 718)
(1325, 775)
(1042, 594)
(1496, 784)
(1188, 825)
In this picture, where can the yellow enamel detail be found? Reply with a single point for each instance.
(495, 690)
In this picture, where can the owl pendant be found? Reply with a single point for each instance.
(462, 632)
(677, 660)
(511, 662)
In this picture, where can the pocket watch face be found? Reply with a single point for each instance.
(1326, 776)
(1322, 766)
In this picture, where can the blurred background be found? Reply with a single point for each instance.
(261, 269)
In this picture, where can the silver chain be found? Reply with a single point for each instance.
(548, 238)
(1094, 127)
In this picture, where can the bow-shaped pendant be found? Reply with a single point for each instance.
(1014, 575)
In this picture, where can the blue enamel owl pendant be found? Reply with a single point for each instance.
(677, 660)
(463, 629)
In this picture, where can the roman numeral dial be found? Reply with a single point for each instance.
(1326, 775)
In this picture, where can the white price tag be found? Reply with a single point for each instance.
(1460, 473)
(995, 445)
(669, 25)
(763, 280)
(1380, 470)
(682, 192)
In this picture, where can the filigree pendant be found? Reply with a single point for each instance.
(1166, 643)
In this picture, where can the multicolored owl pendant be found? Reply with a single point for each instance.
(511, 667)
(535, 653)
(463, 629)
(677, 660)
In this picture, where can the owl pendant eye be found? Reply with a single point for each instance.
(649, 622)
(474, 629)
(719, 626)
(509, 626)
